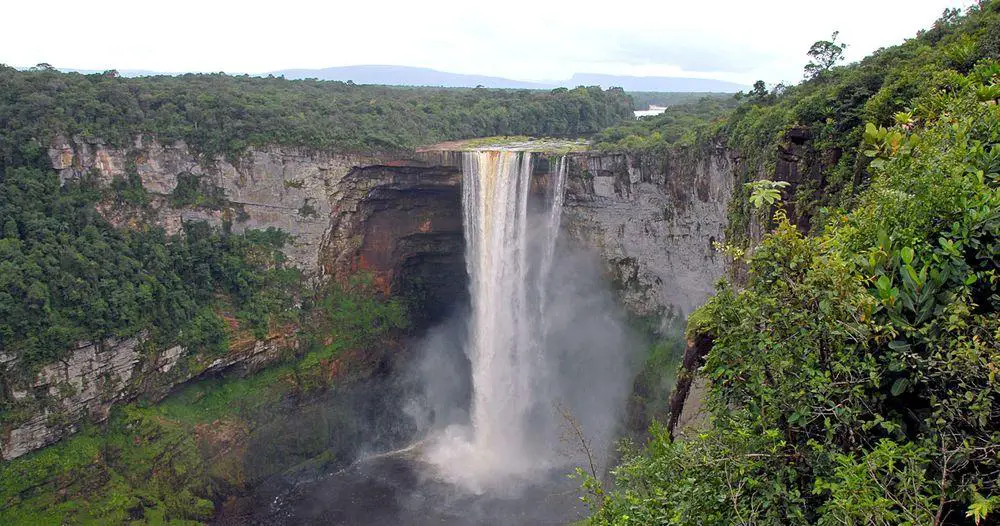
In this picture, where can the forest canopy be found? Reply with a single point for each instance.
(851, 376)
(223, 114)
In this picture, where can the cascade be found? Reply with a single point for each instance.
(510, 253)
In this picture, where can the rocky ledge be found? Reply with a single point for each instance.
(95, 376)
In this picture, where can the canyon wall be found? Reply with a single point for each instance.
(652, 219)
(397, 217)
(287, 188)
(95, 376)
(655, 220)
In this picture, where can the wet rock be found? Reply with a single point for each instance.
(655, 220)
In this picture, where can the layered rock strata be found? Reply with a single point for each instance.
(654, 220)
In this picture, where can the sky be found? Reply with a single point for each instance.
(537, 40)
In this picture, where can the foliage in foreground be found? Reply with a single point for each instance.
(854, 379)
(830, 110)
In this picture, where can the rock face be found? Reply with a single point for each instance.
(655, 220)
(686, 413)
(286, 188)
(85, 384)
(403, 224)
(400, 219)
(97, 375)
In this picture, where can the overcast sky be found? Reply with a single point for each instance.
(736, 40)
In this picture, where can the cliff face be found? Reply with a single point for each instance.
(655, 220)
(97, 375)
(286, 188)
(403, 224)
(398, 218)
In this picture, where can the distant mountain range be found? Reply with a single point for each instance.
(406, 76)
(675, 84)
(411, 76)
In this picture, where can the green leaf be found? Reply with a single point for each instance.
(899, 345)
(871, 133)
(912, 273)
(899, 386)
(980, 508)
(883, 240)
(907, 255)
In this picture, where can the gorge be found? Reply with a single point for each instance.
(547, 352)
(400, 219)
(238, 300)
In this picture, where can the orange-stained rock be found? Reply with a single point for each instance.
(403, 225)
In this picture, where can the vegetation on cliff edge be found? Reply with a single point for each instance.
(220, 114)
(853, 376)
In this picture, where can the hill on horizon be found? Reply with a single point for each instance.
(413, 76)
(389, 75)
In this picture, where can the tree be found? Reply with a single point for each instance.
(824, 54)
(10, 230)
(759, 95)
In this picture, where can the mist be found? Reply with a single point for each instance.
(544, 341)
(585, 375)
(490, 410)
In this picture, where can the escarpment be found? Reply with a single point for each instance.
(653, 219)
(396, 217)
(656, 220)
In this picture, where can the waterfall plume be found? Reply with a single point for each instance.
(542, 337)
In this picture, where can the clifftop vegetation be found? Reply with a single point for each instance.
(685, 124)
(222, 114)
(68, 275)
(852, 377)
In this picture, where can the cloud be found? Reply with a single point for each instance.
(688, 56)
(732, 40)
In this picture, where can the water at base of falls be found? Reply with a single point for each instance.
(509, 255)
(397, 491)
(540, 349)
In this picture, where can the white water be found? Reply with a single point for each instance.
(510, 252)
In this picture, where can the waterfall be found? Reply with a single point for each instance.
(510, 253)
(557, 179)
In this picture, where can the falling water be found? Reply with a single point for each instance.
(510, 252)
(545, 349)
(557, 175)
